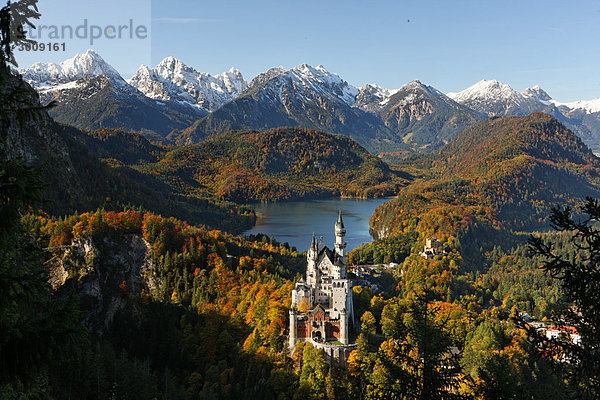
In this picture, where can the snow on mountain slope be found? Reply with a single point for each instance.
(88, 65)
(484, 89)
(321, 80)
(306, 80)
(412, 90)
(171, 79)
(90, 94)
(496, 99)
(371, 97)
(588, 106)
(537, 93)
(425, 117)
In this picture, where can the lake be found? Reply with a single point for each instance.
(294, 222)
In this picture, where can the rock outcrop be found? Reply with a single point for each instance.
(105, 273)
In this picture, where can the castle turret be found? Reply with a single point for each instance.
(340, 232)
(311, 263)
(344, 326)
(293, 315)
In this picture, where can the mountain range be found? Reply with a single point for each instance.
(172, 80)
(90, 94)
(174, 103)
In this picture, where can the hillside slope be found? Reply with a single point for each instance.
(104, 162)
(506, 172)
(279, 164)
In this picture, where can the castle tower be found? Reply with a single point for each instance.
(293, 315)
(311, 263)
(343, 326)
(340, 232)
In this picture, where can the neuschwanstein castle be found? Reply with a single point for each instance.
(322, 305)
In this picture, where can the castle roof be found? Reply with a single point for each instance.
(318, 308)
(326, 252)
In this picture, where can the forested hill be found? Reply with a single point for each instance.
(479, 150)
(119, 146)
(279, 164)
(106, 165)
(505, 171)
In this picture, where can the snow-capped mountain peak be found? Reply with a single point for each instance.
(495, 98)
(89, 63)
(322, 81)
(484, 89)
(415, 91)
(171, 66)
(537, 93)
(82, 66)
(378, 90)
(233, 80)
(372, 96)
(173, 80)
(416, 85)
(305, 80)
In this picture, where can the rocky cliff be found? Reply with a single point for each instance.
(32, 137)
(104, 272)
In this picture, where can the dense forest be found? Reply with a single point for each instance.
(204, 315)
(104, 164)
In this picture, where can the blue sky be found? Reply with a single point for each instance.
(448, 44)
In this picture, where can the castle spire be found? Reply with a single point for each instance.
(340, 221)
(340, 244)
(311, 262)
(313, 250)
